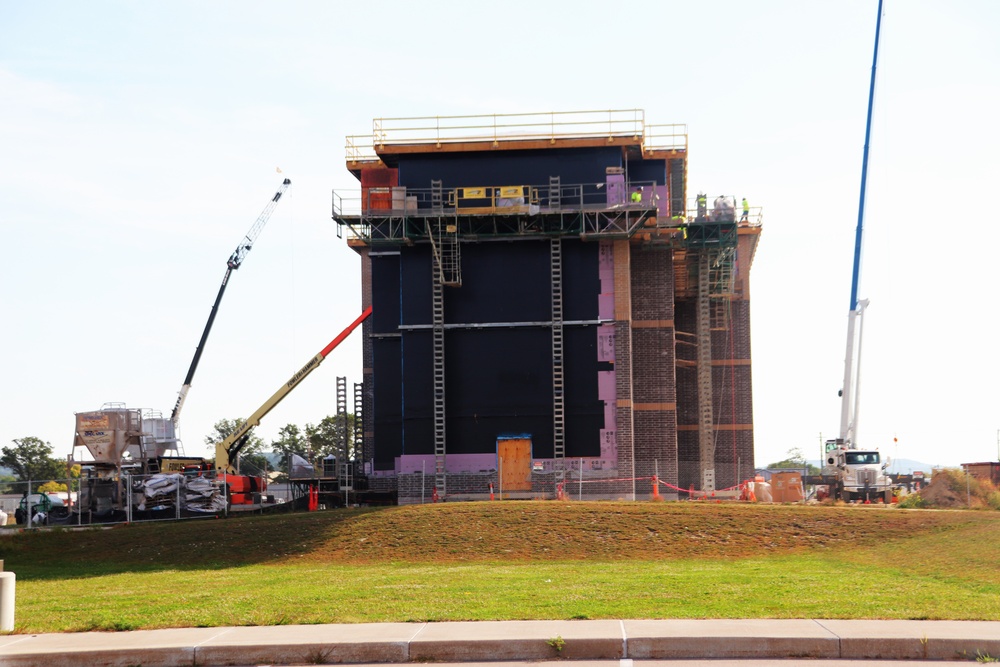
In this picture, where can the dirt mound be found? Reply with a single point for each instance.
(951, 488)
(940, 494)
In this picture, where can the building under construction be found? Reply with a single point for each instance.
(553, 311)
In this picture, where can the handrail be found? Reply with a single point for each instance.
(493, 128)
(671, 137)
(732, 207)
(417, 202)
(508, 127)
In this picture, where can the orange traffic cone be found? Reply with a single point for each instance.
(491, 491)
(656, 488)
(434, 495)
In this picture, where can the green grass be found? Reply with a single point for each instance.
(494, 561)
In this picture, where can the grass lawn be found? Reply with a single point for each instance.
(511, 560)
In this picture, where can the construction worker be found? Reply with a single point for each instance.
(637, 196)
(702, 207)
(746, 211)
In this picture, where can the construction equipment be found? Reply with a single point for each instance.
(855, 474)
(233, 263)
(227, 450)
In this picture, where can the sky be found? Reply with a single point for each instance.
(140, 141)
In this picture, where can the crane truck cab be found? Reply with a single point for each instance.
(856, 474)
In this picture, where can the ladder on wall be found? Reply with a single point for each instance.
(706, 437)
(344, 477)
(359, 422)
(446, 269)
(555, 192)
(558, 389)
(437, 310)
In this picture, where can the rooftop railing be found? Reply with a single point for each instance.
(494, 128)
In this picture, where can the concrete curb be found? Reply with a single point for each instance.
(510, 640)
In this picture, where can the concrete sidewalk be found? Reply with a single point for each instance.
(510, 640)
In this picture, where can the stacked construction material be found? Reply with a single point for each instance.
(197, 494)
(202, 495)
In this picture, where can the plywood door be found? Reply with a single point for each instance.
(515, 462)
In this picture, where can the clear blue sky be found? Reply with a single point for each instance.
(139, 142)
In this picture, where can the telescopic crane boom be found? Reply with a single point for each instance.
(227, 450)
(850, 391)
(233, 263)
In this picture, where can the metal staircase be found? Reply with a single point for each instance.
(558, 395)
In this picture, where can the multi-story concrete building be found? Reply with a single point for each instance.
(550, 308)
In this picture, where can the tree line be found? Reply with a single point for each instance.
(313, 442)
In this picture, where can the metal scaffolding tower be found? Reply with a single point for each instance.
(706, 436)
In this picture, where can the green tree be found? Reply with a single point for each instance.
(31, 459)
(52, 487)
(795, 461)
(251, 453)
(290, 441)
(325, 438)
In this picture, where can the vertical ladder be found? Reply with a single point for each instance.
(558, 395)
(359, 422)
(437, 199)
(706, 440)
(450, 253)
(555, 192)
(342, 440)
(446, 251)
(437, 310)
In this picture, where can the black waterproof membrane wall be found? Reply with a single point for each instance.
(498, 357)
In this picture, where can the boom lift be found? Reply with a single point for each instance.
(234, 262)
(227, 450)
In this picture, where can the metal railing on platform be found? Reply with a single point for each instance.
(494, 128)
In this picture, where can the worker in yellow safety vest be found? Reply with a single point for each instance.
(637, 196)
(746, 211)
(702, 207)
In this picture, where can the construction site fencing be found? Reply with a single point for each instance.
(579, 481)
(139, 498)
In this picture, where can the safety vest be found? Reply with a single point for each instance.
(746, 206)
(637, 196)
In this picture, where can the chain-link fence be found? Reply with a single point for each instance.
(131, 499)
(579, 481)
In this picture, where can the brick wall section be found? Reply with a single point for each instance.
(654, 393)
(732, 400)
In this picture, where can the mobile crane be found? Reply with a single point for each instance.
(234, 262)
(242, 487)
(851, 473)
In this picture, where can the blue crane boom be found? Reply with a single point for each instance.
(850, 391)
